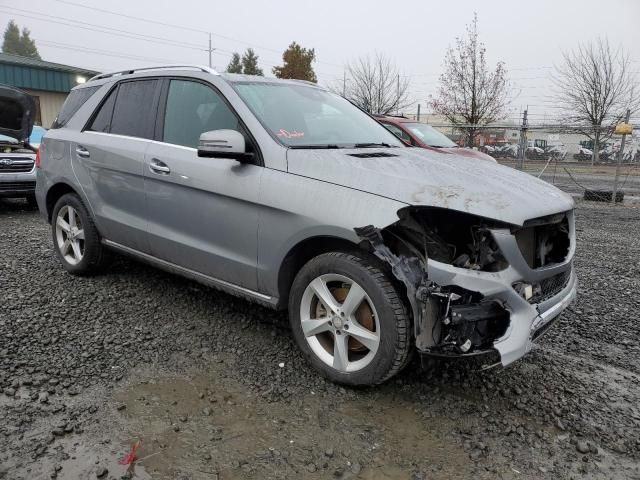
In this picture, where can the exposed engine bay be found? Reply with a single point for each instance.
(450, 320)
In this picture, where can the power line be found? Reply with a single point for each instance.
(99, 28)
(77, 48)
(133, 17)
(125, 34)
(182, 27)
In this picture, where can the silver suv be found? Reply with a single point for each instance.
(290, 196)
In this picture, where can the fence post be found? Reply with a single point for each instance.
(523, 142)
(620, 157)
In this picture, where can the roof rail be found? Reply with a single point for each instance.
(161, 67)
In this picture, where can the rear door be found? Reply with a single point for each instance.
(109, 160)
(202, 212)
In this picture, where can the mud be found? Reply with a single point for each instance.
(90, 366)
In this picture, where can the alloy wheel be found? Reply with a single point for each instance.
(340, 322)
(70, 235)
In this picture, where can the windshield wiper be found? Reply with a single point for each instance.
(312, 147)
(373, 145)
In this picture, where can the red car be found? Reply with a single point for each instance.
(425, 136)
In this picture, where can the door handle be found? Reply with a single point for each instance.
(82, 152)
(156, 166)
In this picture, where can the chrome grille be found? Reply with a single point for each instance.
(16, 165)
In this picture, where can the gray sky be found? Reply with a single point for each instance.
(527, 36)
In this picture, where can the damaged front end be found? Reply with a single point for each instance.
(470, 281)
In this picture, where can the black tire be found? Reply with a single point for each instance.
(395, 346)
(94, 254)
(31, 202)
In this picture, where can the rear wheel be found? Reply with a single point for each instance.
(349, 319)
(75, 237)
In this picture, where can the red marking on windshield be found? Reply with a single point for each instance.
(287, 134)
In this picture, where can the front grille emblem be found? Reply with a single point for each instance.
(7, 162)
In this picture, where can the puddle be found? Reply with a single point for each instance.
(206, 426)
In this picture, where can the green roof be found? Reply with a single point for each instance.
(31, 73)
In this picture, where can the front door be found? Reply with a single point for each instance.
(202, 212)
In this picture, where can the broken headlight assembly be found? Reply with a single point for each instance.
(448, 320)
(447, 236)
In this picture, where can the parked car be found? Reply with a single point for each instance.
(17, 155)
(425, 136)
(557, 152)
(509, 150)
(286, 194)
(583, 154)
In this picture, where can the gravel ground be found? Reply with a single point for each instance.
(214, 387)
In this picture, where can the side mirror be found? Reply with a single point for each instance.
(223, 144)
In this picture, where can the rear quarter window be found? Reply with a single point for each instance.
(72, 104)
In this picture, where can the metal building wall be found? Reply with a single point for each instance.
(50, 104)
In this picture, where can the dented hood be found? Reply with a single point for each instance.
(17, 113)
(420, 177)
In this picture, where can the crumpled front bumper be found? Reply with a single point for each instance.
(527, 320)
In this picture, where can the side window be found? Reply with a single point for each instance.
(134, 111)
(102, 121)
(398, 132)
(193, 108)
(72, 104)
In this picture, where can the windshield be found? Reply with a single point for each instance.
(429, 135)
(308, 117)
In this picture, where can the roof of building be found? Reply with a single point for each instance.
(11, 59)
(34, 74)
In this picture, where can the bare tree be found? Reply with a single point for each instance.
(375, 85)
(469, 93)
(593, 89)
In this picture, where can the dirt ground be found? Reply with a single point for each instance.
(214, 388)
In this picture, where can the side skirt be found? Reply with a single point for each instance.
(216, 283)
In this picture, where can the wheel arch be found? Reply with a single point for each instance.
(301, 253)
(53, 195)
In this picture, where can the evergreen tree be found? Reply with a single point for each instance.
(297, 64)
(19, 44)
(235, 66)
(29, 48)
(11, 43)
(250, 63)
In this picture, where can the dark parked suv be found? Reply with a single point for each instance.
(285, 194)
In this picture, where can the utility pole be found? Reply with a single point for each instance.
(620, 156)
(210, 51)
(398, 96)
(418, 116)
(344, 84)
(523, 142)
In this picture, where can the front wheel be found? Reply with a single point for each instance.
(349, 320)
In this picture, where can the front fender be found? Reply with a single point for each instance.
(310, 208)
